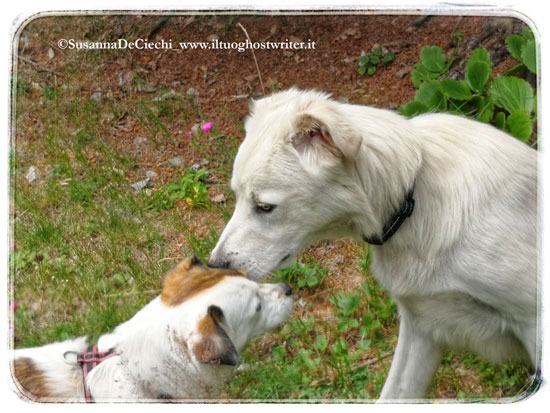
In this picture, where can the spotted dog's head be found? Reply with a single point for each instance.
(227, 308)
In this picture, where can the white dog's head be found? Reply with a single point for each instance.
(226, 309)
(295, 178)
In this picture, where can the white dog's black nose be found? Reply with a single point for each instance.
(219, 263)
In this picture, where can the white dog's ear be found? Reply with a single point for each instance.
(327, 137)
(211, 344)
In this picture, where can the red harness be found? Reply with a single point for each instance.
(88, 360)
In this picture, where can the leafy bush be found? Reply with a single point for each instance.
(368, 63)
(508, 102)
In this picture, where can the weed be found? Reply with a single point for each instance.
(301, 275)
(151, 121)
(369, 63)
(51, 92)
(191, 187)
(458, 37)
(274, 86)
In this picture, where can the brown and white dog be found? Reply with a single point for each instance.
(182, 345)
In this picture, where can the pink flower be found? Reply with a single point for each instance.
(14, 306)
(189, 133)
(207, 126)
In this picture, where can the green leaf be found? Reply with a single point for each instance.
(388, 57)
(413, 108)
(433, 59)
(527, 34)
(485, 109)
(362, 70)
(320, 344)
(460, 107)
(481, 55)
(477, 74)
(455, 89)
(363, 345)
(378, 51)
(500, 120)
(371, 70)
(515, 43)
(348, 303)
(529, 56)
(278, 353)
(519, 125)
(420, 74)
(430, 95)
(512, 94)
(340, 346)
(374, 59)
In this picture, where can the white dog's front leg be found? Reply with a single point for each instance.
(415, 361)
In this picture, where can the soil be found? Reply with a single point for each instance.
(225, 80)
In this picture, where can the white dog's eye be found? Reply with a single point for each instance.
(263, 207)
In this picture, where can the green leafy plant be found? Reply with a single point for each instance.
(191, 187)
(302, 275)
(508, 102)
(346, 304)
(523, 48)
(369, 63)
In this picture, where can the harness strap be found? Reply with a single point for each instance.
(88, 360)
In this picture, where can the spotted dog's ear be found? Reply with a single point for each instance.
(211, 344)
(196, 261)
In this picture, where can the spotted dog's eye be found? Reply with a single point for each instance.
(259, 307)
(263, 207)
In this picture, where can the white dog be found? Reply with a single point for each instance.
(450, 204)
(182, 345)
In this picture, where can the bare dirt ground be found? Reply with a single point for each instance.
(225, 80)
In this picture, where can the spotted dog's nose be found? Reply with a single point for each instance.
(286, 289)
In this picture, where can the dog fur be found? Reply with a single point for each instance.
(462, 269)
(182, 345)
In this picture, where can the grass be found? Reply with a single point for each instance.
(89, 251)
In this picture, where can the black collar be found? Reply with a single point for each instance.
(394, 222)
